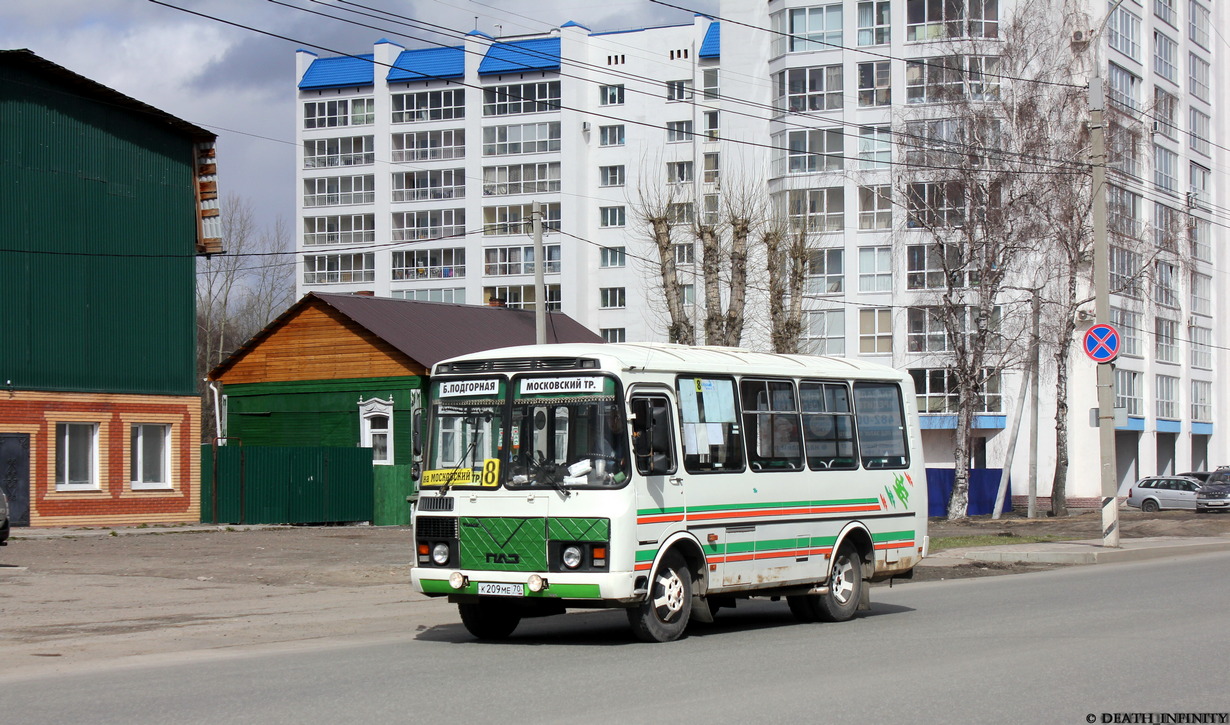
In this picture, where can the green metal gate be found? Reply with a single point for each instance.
(285, 485)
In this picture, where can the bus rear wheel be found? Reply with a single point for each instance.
(664, 614)
(845, 588)
(486, 619)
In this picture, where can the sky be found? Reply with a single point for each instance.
(180, 57)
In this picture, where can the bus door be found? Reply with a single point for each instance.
(659, 489)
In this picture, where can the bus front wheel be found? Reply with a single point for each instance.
(664, 614)
(489, 620)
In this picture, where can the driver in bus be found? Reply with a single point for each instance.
(613, 447)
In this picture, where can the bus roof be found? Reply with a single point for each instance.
(667, 357)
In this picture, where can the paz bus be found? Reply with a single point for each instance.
(666, 480)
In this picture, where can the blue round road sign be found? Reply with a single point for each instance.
(1102, 343)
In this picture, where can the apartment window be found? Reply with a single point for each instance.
(824, 332)
(874, 23)
(817, 210)
(1166, 225)
(933, 205)
(149, 449)
(710, 83)
(339, 190)
(612, 257)
(935, 80)
(521, 179)
(1167, 396)
(518, 219)
(1124, 87)
(429, 145)
(685, 253)
(679, 90)
(429, 106)
(875, 84)
(376, 429)
(1165, 168)
(455, 295)
(937, 391)
(350, 151)
(875, 269)
(611, 216)
(711, 170)
(1198, 190)
(825, 272)
(1202, 294)
(1198, 239)
(712, 132)
(687, 294)
(806, 29)
(1124, 32)
(930, 266)
(448, 263)
(1123, 212)
(1165, 113)
(1198, 24)
(680, 213)
(428, 224)
(338, 268)
(875, 207)
(1164, 9)
(614, 334)
(76, 456)
(525, 138)
(610, 175)
(678, 172)
(875, 331)
(505, 261)
(1125, 269)
(875, 147)
(815, 150)
(611, 95)
(1128, 394)
(940, 19)
(710, 209)
(1165, 56)
(925, 330)
(1199, 134)
(1121, 149)
(429, 185)
(347, 229)
(518, 98)
(1165, 277)
(1128, 325)
(611, 298)
(523, 297)
(1198, 69)
(1201, 339)
(810, 89)
(678, 131)
(611, 135)
(1165, 340)
(1202, 400)
(340, 112)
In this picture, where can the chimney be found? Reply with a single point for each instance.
(364, 293)
(497, 302)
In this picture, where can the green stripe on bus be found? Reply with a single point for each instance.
(894, 535)
(660, 511)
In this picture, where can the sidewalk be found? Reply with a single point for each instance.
(32, 533)
(1088, 551)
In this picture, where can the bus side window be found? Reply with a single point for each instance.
(651, 435)
(828, 425)
(880, 420)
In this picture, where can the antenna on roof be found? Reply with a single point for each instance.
(499, 31)
(476, 22)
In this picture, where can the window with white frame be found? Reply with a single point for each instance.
(712, 131)
(1123, 29)
(874, 23)
(338, 268)
(937, 204)
(814, 150)
(429, 264)
(376, 429)
(1198, 238)
(941, 19)
(1200, 180)
(612, 95)
(612, 257)
(344, 229)
(1198, 133)
(516, 98)
(711, 168)
(825, 272)
(611, 135)
(685, 253)
(875, 86)
(1165, 340)
(505, 261)
(522, 138)
(1201, 343)
(932, 266)
(1165, 56)
(800, 90)
(875, 269)
(339, 190)
(1167, 394)
(678, 172)
(429, 145)
(1164, 9)
(428, 224)
(438, 105)
(710, 82)
(1166, 227)
(679, 90)
(687, 294)
(800, 30)
(817, 210)
(678, 131)
(937, 391)
(1202, 294)
(1198, 24)
(1123, 212)
(1123, 87)
(1165, 281)
(1165, 113)
(875, 207)
(1165, 168)
(1198, 76)
(445, 263)
(611, 175)
(1128, 393)
(1202, 400)
(875, 144)
(824, 332)
(429, 185)
(76, 456)
(518, 219)
(521, 179)
(710, 210)
(680, 212)
(1125, 272)
(149, 455)
(1128, 325)
(455, 295)
(611, 298)
(925, 330)
(523, 297)
(611, 216)
(875, 331)
(350, 151)
(340, 112)
(614, 334)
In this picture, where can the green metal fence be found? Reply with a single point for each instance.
(286, 485)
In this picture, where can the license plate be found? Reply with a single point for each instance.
(1214, 503)
(494, 589)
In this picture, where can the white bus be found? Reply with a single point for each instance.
(666, 480)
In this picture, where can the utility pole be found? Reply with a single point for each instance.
(1035, 364)
(540, 286)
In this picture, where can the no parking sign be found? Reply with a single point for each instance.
(1102, 343)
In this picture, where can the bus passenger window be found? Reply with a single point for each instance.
(828, 426)
(771, 417)
(881, 425)
(712, 441)
(651, 436)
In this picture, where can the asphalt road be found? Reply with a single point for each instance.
(1054, 647)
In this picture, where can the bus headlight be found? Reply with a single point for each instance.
(439, 554)
(536, 583)
(457, 580)
(571, 556)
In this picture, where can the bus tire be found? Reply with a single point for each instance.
(845, 588)
(489, 620)
(664, 614)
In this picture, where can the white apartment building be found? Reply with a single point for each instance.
(419, 168)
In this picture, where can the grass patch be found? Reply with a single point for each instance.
(961, 542)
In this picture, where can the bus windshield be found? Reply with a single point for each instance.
(567, 432)
(467, 434)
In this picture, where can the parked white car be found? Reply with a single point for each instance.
(1163, 492)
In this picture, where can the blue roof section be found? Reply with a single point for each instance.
(573, 24)
(712, 45)
(341, 72)
(521, 55)
(429, 63)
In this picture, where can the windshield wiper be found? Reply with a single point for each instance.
(473, 420)
(548, 472)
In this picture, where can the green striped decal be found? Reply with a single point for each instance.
(579, 529)
(554, 591)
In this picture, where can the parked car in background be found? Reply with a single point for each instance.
(1163, 492)
(4, 519)
(1214, 494)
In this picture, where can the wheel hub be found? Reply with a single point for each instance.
(671, 597)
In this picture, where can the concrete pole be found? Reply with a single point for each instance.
(540, 286)
(1033, 405)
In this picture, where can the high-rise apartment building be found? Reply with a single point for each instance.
(419, 169)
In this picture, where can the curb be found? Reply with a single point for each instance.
(1085, 552)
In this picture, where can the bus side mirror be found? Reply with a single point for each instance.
(416, 433)
(416, 471)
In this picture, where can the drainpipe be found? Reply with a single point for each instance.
(217, 412)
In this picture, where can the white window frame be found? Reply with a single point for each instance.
(612, 216)
(515, 99)
(1128, 394)
(875, 269)
(1123, 32)
(611, 175)
(1198, 76)
(1165, 56)
(820, 210)
(614, 334)
(436, 105)
(612, 257)
(803, 90)
(369, 411)
(137, 435)
(1165, 340)
(612, 298)
(455, 295)
(521, 138)
(875, 84)
(339, 268)
(825, 272)
(428, 224)
(1200, 353)
(1127, 323)
(1202, 400)
(442, 263)
(1166, 393)
(611, 95)
(678, 131)
(875, 147)
(339, 190)
(1202, 294)
(1198, 24)
(874, 22)
(611, 135)
(824, 332)
(429, 185)
(875, 331)
(65, 449)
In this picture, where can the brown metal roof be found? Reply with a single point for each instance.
(428, 332)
